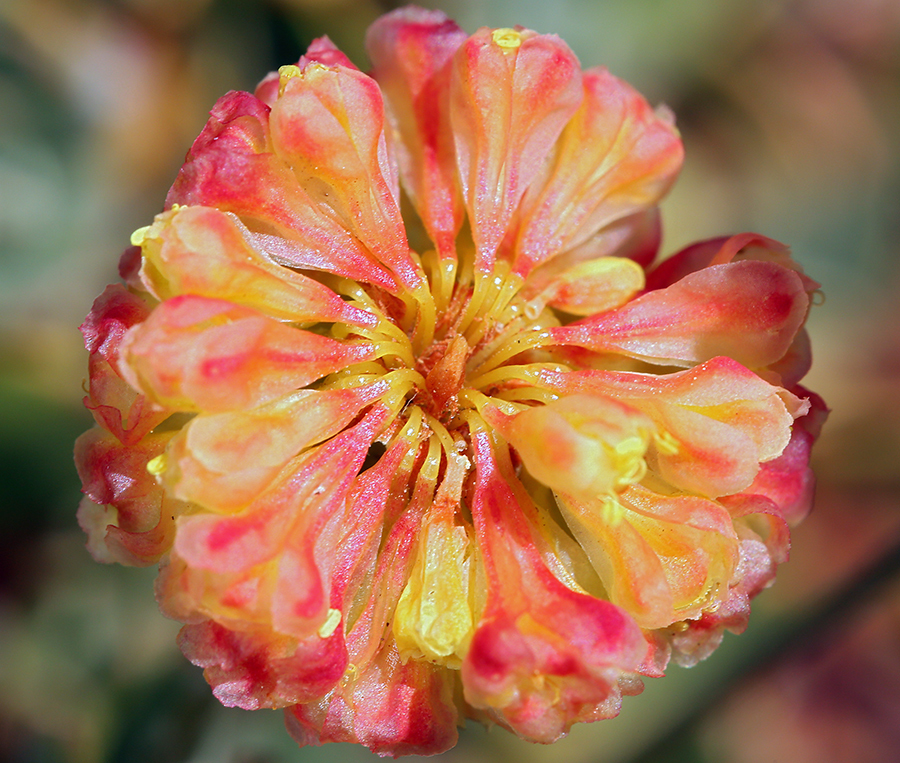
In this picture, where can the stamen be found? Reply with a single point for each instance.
(612, 512)
(410, 432)
(480, 400)
(527, 393)
(397, 350)
(526, 340)
(505, 287)
(401, 381)
(440, 431)
(431, 466)
(506, 38)
(138, 237)
(363, 301)
(527, 373)
(441, 273)
(482, 286)
(665, 443)
(331, 623)
(158, 465)
(423, 334)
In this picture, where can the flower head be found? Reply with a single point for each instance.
(453, 451)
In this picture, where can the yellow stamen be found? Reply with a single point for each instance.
(525, 340)
(447, 442)
(426, 319)
(506, 38)
(432, 464)
(442, 276)
(528, 373)
(331, 623)
(394, 349)
(665, 443)
(138, 237)
(612, 512)
(527, 393)
(158, 465)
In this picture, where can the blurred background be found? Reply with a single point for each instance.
(790, 113)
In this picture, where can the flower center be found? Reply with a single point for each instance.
(476, 327)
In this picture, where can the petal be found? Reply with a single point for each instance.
(595, 286)
(788, 480)
(258, 668)
(377, 603)
(543, 656)
(370, 504)
(616, 157)
(410, 50)
(203, 251)
(328, 124)
(661, 558)
(636, 237)
(126, 515)
(512, 92)
(750, 311)
(200, 353)
(720, 419)
(583, 444)
(263, 578)
(760, 518)
(258, 533)
(764, 543)
(224, 460)
(434, 618)
(393, 707)
(232, 167)
(722, 250)
(116, 405)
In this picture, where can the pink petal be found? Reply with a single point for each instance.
(116, 405)
(512, 93)
(788, 481)
(724, 419)
(722, 250)
(750, 311)
(200, 353)
(661, 558)
(615, 158)
(203, 251)
(543, 656)
(410, 50)
(378, 602)
(391, 707)
(226, 459)
(128, 517)
(309, 484)
(636, 237)
(328, 124)
(232, 167)
(258, 668)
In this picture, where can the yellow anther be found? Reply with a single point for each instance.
(332, 620)
(138, 237)
(289, 71)
(158, 465)
(665, 443)
(612, 511)
(507, 38)
(285, 75)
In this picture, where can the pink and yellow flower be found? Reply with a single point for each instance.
(414, 428)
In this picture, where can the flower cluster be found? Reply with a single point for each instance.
(456, 450)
